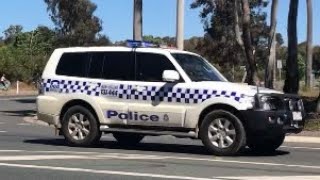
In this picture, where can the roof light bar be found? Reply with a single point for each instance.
(137, 44)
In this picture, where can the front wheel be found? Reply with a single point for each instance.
(222, 133)
(80, 127)
(266, 144)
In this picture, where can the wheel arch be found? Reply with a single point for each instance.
(79, 102)
(221, 106)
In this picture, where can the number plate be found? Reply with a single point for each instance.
(297, 116)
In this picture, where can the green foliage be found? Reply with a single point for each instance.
(24, 56)
(75, 23)
(219, 43)
(283, 53)
(11, 33)
(156, 40)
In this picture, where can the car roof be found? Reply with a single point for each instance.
(122, 48)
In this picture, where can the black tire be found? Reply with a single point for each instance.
(94, 133)
(265, 144)
(128, 139)
(239, 137)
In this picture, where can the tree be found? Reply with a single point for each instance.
(252, 76)
(309, 48)
(292, 73)
(223, 42)
(74, 21)
(11, 33)
(270, 69)
(137, 20)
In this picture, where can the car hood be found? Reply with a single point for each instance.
(240, 88)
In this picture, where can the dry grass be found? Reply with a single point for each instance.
(312, 125)
(24, 89)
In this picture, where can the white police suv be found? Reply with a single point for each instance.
(136, 91)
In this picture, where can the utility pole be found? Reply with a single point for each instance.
(180, 24)
(137, 20)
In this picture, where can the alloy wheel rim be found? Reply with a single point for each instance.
(79, 126)
(222, 133)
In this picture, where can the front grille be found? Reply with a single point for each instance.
(277, 103)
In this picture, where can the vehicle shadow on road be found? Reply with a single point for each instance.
(19, 113)
(154, 147)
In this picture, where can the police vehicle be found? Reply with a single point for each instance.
(140, 90)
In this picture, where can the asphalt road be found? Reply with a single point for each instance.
(29, 151)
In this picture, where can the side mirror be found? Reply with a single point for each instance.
(170, 76)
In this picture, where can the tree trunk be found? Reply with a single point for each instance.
(137, 20)
(180, 25)
(252, 77)
(309, 45)
(269, 75)
(292, 74)
(237, 24)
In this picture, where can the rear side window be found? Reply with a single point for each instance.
(118, 66)
(96, 65)
(73, 64)
(151, 66)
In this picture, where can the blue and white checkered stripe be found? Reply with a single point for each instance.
(67, 86)
(150, 93)
(174, 94)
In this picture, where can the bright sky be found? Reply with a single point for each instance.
(159, 17)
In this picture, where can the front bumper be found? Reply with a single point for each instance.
(269, 123)
(258, 122)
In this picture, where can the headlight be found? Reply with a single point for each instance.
(249, 100)
(269, 103)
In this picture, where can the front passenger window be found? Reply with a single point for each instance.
(149, 67)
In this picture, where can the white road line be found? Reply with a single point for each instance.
(218, 159)
(2, 123)
(11, 150)
(309, 148)
(94, 171)
(3, 131)
(272, 178)
(41, 157)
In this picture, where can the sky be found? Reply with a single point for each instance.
(159, 17)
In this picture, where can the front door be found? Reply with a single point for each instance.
(152, 102)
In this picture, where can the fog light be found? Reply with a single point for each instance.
(271, 120)
(279, 121)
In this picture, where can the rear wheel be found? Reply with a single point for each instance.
(128, 138)
(266, 144)
(80, 127)
(222, 133)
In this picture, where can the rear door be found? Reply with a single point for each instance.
(114, 70)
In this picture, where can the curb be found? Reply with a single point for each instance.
(289, 139)
(302, 139)
(7, 98)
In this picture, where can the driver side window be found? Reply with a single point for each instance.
(149, 67)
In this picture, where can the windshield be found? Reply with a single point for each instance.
(197, 68)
